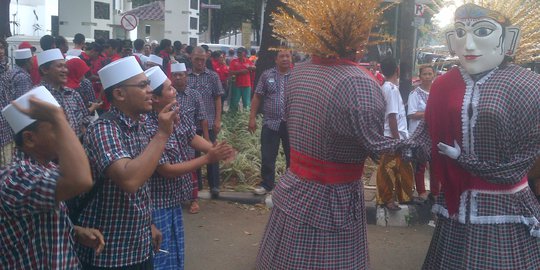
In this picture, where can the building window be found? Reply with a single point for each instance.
(102, 10)
(193, 42)
(194, 4)
(147, 29)
(193, 23)
(101, 34)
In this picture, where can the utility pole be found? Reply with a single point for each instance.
(209, 40)
(407, 42)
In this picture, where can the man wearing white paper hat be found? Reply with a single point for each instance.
(123, 157)
(21, 82)
(153, 61)
(53, 71)
(33, 188)
(207, 83)
(192, 108)
(172, 183)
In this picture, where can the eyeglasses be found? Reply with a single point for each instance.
(141, 85)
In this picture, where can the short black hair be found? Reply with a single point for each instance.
(241, 50)
(216, 54)
(177, 45)
(22, 62)
(60, 40)
(159, 90)
(189, 49)
(205, 47)
(45, 66)
(388, 66)
(79, 38)
(19, 136)
(46, 42)
(138, 44)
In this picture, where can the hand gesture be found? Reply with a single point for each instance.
(41, 110)
(91, 238)
(449, 151)
(167, 118)
(219, 152)
(252, 125)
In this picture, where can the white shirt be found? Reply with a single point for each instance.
(74, 52)
(417, 103)
(394, 104)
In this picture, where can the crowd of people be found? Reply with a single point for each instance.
(101, 146)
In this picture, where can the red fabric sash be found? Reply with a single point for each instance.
(323, 171)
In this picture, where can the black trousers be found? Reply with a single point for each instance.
(270, 140)
(212, 170)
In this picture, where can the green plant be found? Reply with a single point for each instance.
(246, 168)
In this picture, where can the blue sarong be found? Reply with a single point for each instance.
(169, 222)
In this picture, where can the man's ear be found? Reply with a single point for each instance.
(28, 138)
(450, 41)
(511, 40)
(119, 94)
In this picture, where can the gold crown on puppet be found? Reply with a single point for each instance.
(524, 14)
(329, 28)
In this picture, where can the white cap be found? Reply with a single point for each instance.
(156, 76)
(49, 55)
(18, 120)
(119, 71)
(155, 59)
(23, 54)
(178, 67)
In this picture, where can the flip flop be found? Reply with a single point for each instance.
(194, 207)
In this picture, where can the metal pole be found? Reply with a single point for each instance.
(209, 40)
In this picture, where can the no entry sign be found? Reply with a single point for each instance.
(129, 22)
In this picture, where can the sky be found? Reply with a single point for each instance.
(446, 15)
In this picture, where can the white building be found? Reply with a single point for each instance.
(172, 19)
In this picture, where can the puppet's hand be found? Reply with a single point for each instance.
(447, 150)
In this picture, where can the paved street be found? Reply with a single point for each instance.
(226, 236)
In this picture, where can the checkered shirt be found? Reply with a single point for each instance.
(6, 133)
(191, 106)
(272, 87)
(208, 84)
(123, 218)
(167, 192)
(87, 92)
(73, 105)
(334, 113)
(21, 82)
(35, 231)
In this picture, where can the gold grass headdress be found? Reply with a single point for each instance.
(328, 28)
(524, 14)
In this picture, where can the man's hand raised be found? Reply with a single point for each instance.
(167, 118)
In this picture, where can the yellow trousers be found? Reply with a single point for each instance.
(394, 176)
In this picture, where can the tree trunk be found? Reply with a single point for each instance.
(265, 60)
(5, 31)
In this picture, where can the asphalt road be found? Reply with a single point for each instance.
(226, 236)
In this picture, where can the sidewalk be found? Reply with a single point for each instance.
(407, 216)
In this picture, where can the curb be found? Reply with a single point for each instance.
(233, 196)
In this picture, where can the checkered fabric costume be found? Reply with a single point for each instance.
(123, 218)
(335, 114)
(488, 216)
(87, 92)
(21, 82)
(71, 101)
(35, 231)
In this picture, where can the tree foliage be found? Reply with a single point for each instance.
(230, 17)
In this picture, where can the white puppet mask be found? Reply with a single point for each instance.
(479, 39)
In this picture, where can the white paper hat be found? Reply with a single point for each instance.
(178, 67)
(69, 57)
(23, 54)
(119, 71)
(156, 76)
(18, 120)
(155, 59)
(49, 55)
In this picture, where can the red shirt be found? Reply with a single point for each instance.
(221, 69)
(34, 73)
(242, 80)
